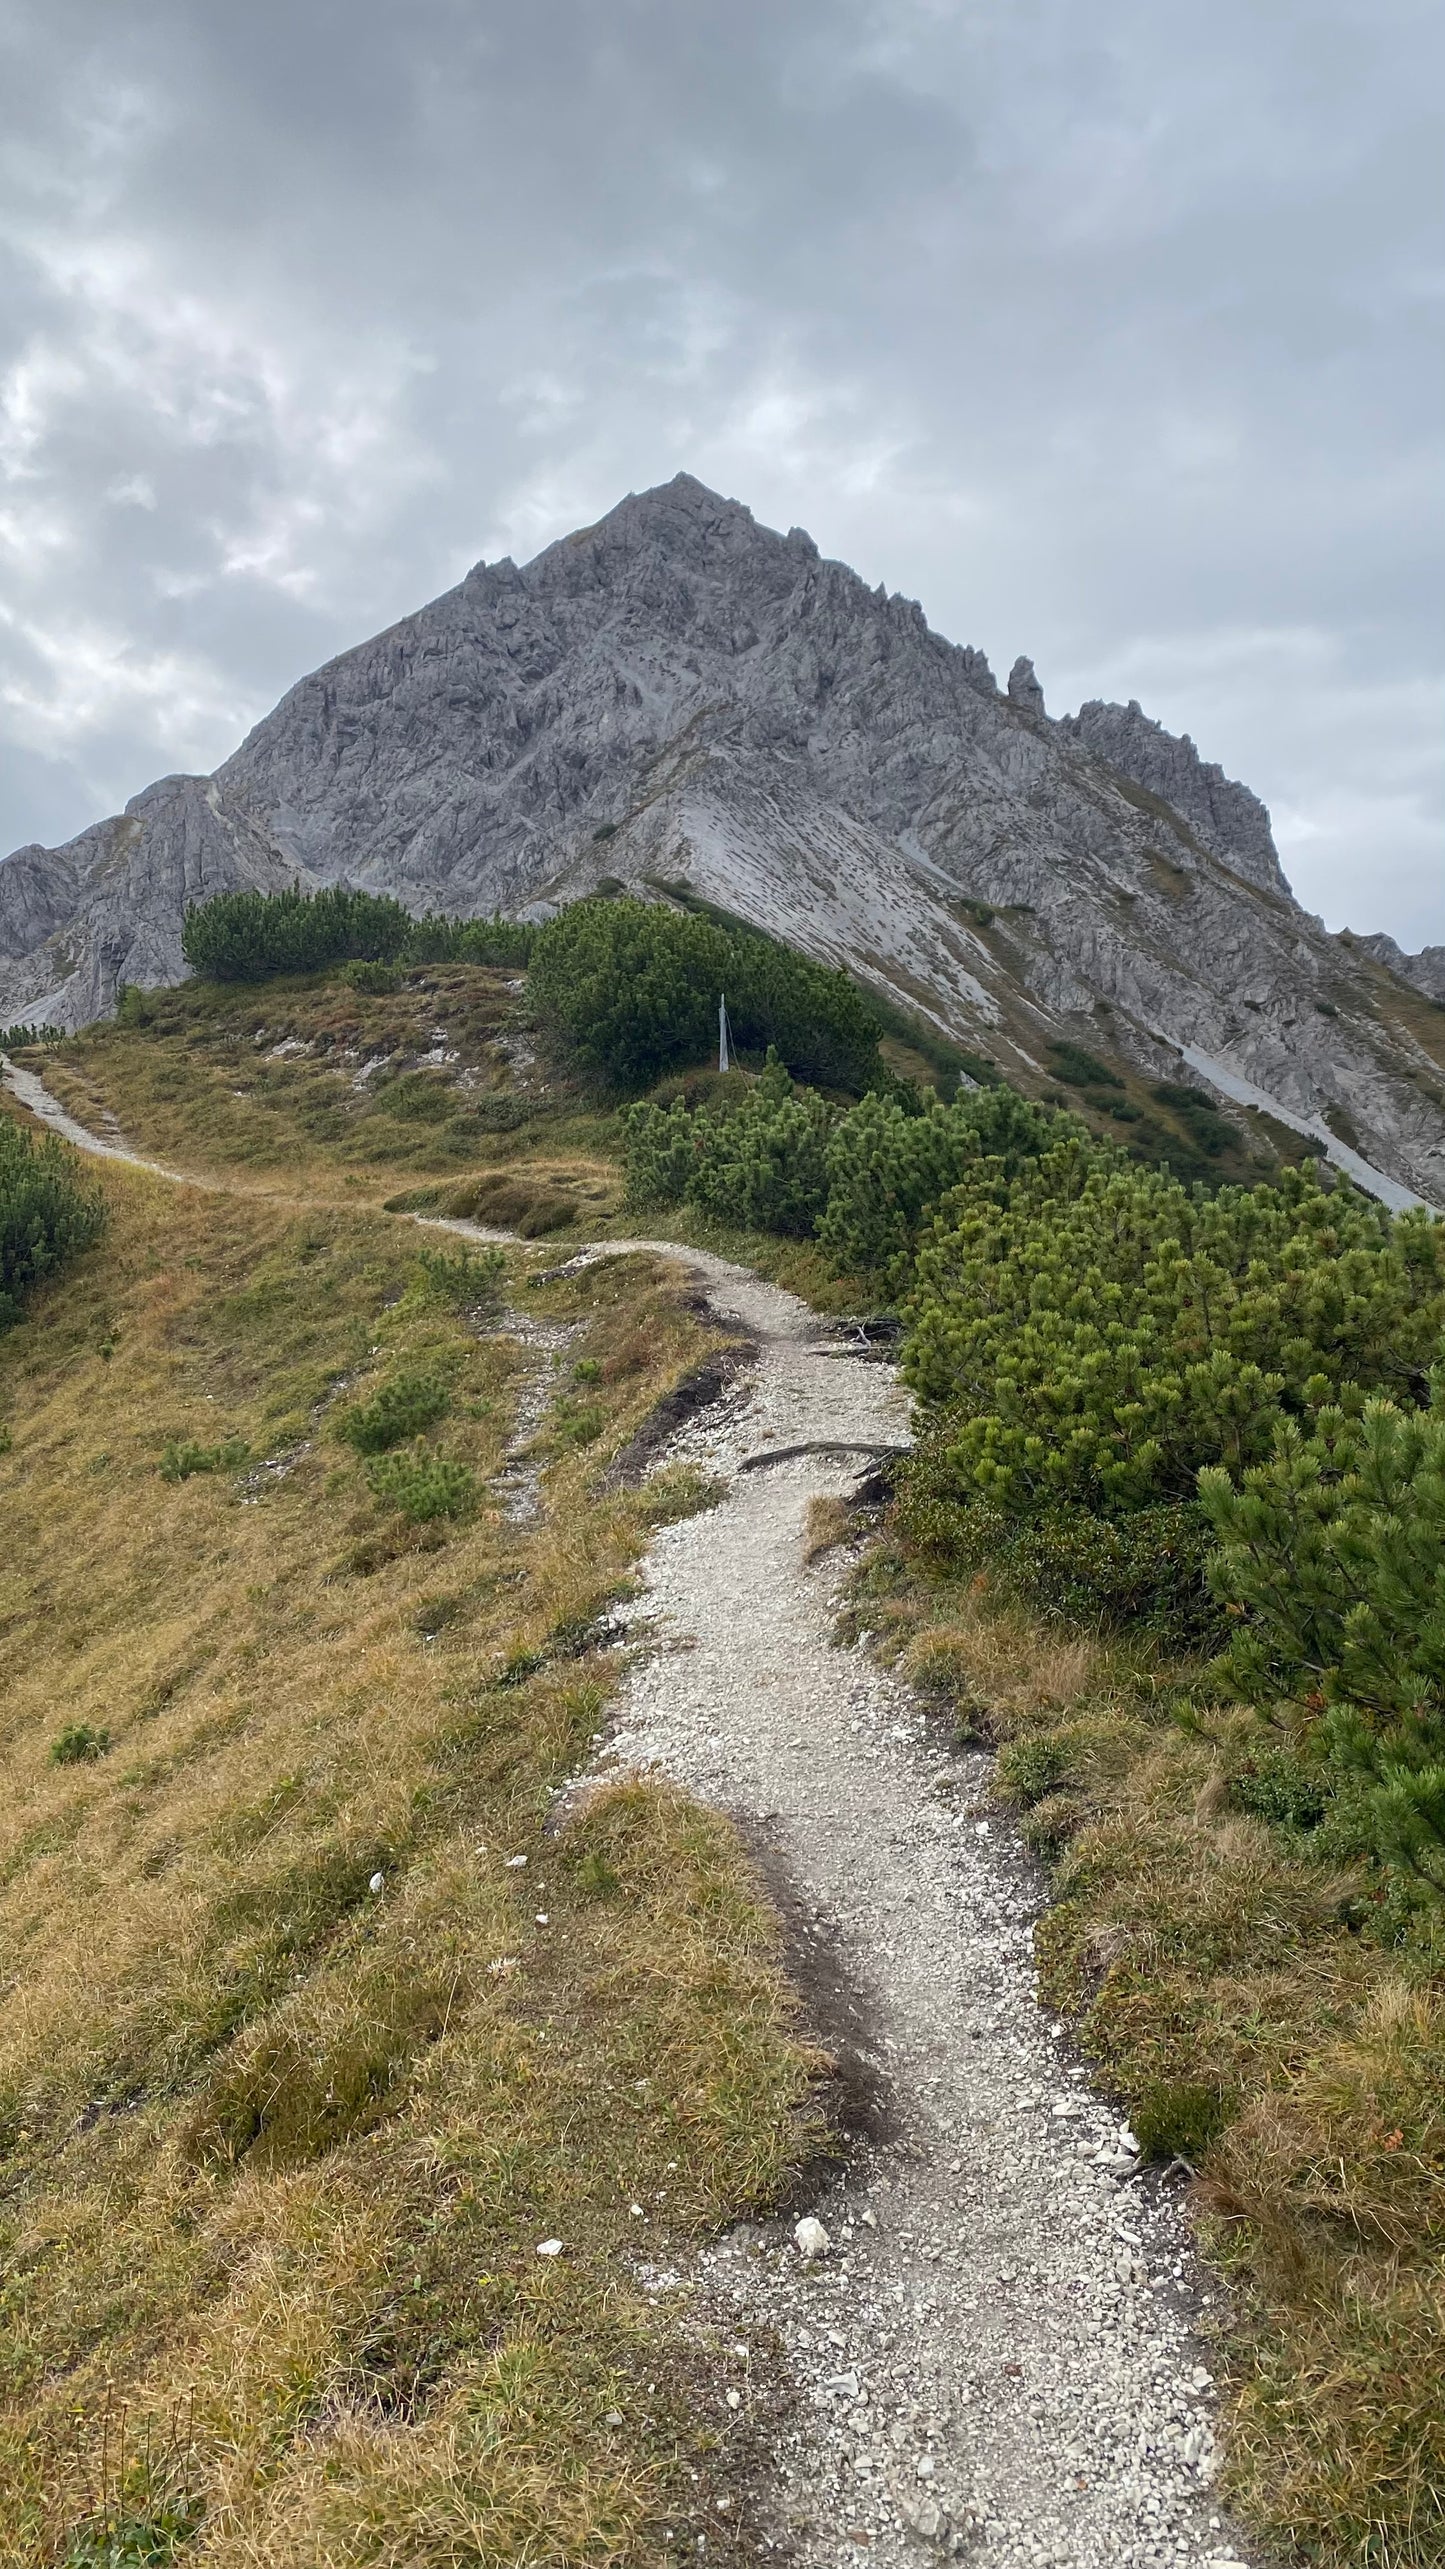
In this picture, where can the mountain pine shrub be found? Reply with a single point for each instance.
(402, 1408)
(1094, 1333)
(890, 1160)
(424, 1486)
(434, 939)
(250, 936)
(1331, 1562)
(47, 1212)
(632, 989)
(862, 1177)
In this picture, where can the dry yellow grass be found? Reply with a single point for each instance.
(279, 2147)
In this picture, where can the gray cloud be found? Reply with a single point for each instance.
(1112, 335)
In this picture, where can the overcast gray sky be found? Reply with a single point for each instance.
(1110, 329)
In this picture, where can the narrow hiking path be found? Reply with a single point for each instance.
(997, 2355)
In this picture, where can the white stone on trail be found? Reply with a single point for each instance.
(811, 2239)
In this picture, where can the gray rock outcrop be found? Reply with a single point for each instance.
(678, 693)
(1424, 971)
(1226, 818)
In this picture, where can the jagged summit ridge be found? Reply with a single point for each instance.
(680, 692)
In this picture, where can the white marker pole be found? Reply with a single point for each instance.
(722, 1035)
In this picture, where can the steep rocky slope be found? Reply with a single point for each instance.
(678, 695)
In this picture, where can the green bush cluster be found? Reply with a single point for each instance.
(1218, 1414)
(1092, 1333)
(860, 1178)
(434, 939)
(1331, 1564)
(889, 1162)
(423, 1486)
(183, 1458)
(79, 1744)
(632, 989)
(470, 1280)
(14, 1038)
(402, 1408)
(249, 936)
(373, 980)
(47, 1212)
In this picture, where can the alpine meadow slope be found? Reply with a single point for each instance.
(680, 697)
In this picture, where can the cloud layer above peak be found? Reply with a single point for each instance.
(1111, 335)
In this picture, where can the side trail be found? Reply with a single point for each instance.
(997, 2355)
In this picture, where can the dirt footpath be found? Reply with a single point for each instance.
(997, 2353)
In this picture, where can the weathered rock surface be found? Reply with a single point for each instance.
(678, 693)
(1424, 971)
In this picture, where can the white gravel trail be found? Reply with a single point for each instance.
(998, 2355)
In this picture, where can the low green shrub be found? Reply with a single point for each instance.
(632, 988)
(771, 1158)
(79, 1744)
(373, 980)
(1081, 1069)
(415, 1099)
(1146, 1569)
(48, 1212)
(1331, 1566)
(470, 1280)
(13, 1039)
(1275, 1784)
(402, 1408)
(577, 1422)
(250, 936)
(496, 941)
(1093, 1334)
(183, 1458)
(424, 1486)
(889, 1161)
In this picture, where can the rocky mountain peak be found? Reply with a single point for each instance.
(680, 694)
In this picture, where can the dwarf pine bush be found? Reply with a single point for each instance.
(861, 1177)
(1096, 1333)
(632, 988)
(1332, 1555)
(890, 1160)
(424, 1486)
(249, 936)
(402, 1408)
(48, 1213)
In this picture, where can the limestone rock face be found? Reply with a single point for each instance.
(1225, 817)
(1024, 689)
(1424, 971)
(679, 694)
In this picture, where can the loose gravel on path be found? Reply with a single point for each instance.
(998, 2355)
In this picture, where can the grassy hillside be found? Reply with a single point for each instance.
(320, 2126)
(294, 2077)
